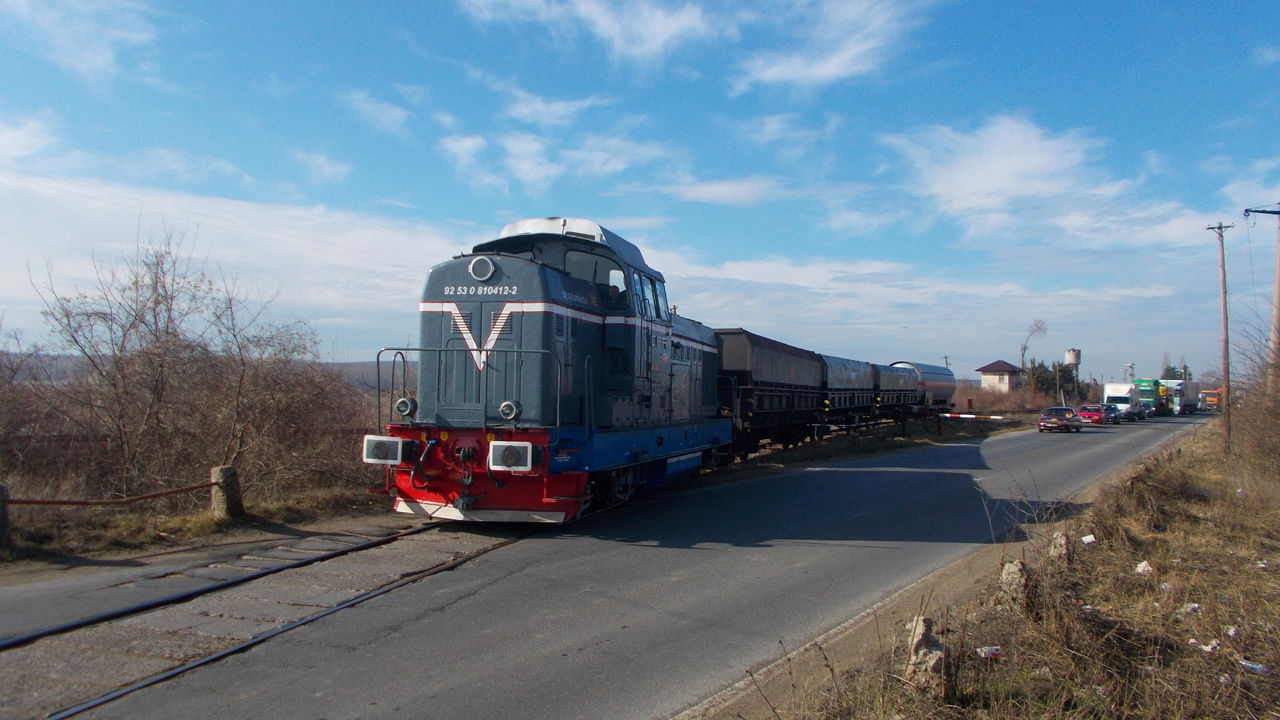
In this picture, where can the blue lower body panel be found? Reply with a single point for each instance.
(660, 453)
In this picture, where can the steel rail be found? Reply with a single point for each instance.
(118, 693)
(27, 639)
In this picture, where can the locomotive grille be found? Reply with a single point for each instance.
(453, 326)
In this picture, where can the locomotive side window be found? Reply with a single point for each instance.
(654, 301)
(616, 293)
(618, 279)
(650, 297)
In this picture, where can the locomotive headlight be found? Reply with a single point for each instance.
(481, 268)
(511, 456)
(509, 410)
(382, 450)
(407, 406)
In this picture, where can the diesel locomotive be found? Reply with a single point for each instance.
(553, 377)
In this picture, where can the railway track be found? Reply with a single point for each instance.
(63, 670)
(223, 608)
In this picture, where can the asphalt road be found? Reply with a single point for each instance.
(642, 612)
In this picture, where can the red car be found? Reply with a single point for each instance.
(1093, 414)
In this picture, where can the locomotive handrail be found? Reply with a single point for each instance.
(404, 372)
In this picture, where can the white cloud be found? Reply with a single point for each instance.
(603, 155)
(837, 39)
(1007, 160)
(862, 222)
(1266, 55)
(26, 137)
(463, 152)
(632, 29)
(542, 112)
(413, 94)
(382, 115)
(446, 120)
(526, 159)
(463, 149)
(83, 37)
(746, 191)
(1250, 184)
(171, 165)
(320, 169)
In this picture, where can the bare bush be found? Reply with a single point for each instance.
(17, 362)
(173, 374)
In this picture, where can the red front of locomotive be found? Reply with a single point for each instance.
(477, 474)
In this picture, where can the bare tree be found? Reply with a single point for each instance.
(1035, 329)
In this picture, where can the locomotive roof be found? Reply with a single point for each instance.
(571, 229)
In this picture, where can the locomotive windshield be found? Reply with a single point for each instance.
(601, 271)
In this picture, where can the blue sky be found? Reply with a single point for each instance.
(881, 180)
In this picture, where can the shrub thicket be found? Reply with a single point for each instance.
(157, 374)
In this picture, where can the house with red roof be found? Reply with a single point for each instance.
(1001, 376)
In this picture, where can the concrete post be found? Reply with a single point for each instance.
(225, 494)
(4, 517)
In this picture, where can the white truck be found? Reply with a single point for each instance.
(1125, 397)
(1184, 396)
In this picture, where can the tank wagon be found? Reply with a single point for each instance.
(935, 384)
(553, 377)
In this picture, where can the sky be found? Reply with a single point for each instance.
(882, 180)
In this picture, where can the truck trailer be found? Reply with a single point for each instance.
(1183, 395)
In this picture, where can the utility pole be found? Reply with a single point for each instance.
(1273, 367)
(1226, 352)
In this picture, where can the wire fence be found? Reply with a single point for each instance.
(223, 486)
(113, 501)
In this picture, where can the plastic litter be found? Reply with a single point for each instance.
(1210, 647)
(1253, 667)
(991, 652)
(1089, 539)
(1144, 568)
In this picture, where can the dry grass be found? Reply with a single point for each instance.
(1197, 637)
(48, 531)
